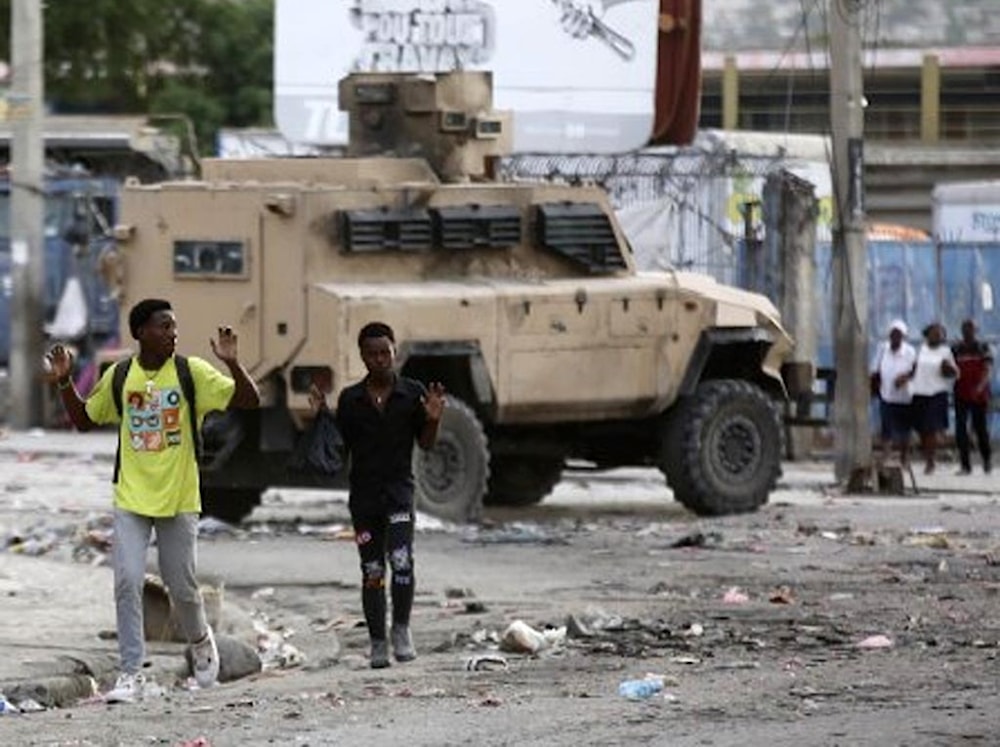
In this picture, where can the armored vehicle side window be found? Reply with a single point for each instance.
(210, 259)
(386, 230)
(477, 226)
(582, 232)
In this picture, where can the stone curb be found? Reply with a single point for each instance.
(86, 676)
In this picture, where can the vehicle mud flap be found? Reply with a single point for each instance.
(451, 478)
(721, 448)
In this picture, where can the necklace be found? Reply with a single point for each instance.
(150, 378)
(379, 397)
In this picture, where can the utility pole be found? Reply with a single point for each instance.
(853, 439)
(26, 102)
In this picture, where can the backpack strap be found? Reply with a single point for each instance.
(187, 388)
(118, 377)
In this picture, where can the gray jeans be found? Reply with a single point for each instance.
(176, 538)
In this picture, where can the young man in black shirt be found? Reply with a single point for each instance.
(379, 419)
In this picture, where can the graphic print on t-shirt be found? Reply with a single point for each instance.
(154, 418)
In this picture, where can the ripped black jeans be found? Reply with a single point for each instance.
(382, 537)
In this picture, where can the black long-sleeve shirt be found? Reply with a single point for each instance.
(380, 444)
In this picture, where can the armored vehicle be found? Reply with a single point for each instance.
(521, 298)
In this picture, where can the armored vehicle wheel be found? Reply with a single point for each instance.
(721, 448)
(231, 505)
(522, 481)
(451, 478)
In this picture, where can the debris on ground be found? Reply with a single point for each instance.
(735, 595)
(876, 642)
(698, 539)
(336, 531)
(521, 638)
(486, 662)
(210, 526)
(782, 595)
(592, 622)
(7, 708)
(274, 650)
(89, 542)
(463, 600)
(640, 689)
(515, 533)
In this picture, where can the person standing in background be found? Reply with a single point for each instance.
(931, 381)
(972, 396)
(890, 371)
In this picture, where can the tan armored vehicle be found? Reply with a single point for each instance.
(521, 298)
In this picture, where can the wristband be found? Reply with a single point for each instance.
(65, 384)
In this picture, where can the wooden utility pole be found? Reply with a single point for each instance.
(25, 109)
(853, 439)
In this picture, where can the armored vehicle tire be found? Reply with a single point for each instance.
(451, 478)
(522, 480)
(231, 505)
(721, 448)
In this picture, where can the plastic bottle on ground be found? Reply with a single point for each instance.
(7, 708)
(641, 689)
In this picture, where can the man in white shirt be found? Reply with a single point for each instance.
(893, 366)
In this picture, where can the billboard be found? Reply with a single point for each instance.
(579, 75)
(967, 211)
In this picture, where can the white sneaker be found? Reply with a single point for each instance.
(128, 688)
(205, 657)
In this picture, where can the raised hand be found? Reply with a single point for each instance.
(434, 402)
(57, 364)
(317, 399)
(226, 348)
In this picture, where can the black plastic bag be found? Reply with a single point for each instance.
(318, 451)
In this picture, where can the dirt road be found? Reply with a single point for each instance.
(821, 620)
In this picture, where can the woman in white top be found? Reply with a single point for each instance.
(891, 369)
(933, 377)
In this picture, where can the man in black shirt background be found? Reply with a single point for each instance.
(379, 419)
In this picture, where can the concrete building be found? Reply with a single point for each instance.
(931, 79)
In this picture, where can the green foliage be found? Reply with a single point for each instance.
(210, 60)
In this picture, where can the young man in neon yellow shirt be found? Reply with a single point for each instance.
(157, 481)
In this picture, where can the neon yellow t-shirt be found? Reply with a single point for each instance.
(158, 475)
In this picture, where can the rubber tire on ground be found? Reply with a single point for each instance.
(522, 480)
(721, 448)
(451, 478)
(231, 505)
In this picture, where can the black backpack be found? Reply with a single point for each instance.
(118, 377)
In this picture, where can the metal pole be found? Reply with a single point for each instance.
(853, 439)
(26, 108)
